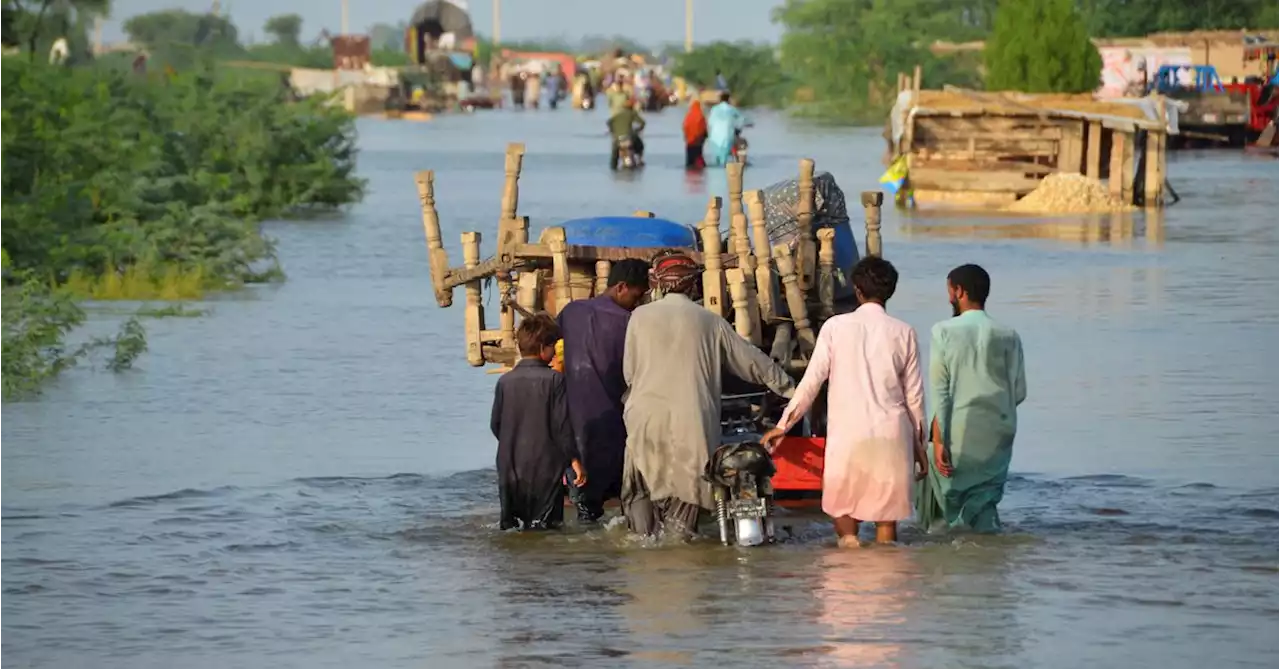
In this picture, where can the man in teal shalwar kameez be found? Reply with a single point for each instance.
(976, 382)
(723, 123)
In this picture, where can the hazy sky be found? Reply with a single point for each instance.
(651, 22)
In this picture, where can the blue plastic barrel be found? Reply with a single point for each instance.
(629, 232)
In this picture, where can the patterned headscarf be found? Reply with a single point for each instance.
(674, 272)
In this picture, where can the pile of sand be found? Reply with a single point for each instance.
(1063, 193)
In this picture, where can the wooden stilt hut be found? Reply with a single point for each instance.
(775, 296)
(978, 149)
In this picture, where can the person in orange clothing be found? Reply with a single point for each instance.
(695, 133)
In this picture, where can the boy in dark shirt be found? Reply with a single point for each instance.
(535, 439)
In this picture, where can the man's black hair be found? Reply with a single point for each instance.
(875, 278)
(724, 97)
(632, 271)
(974, 280)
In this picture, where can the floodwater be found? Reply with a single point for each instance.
(302, 478)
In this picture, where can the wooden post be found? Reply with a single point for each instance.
(806, 251)
(1071, 147)
(1093, 157)
(1130, 142)
(871, 201)
(474, 318)
(436, 256)
(733, 174)
(511, 183)
(602, 276)
(559, 267)
(795, 297)
(1116, 178)
(1153, 191)
(747, 263)
(712, 275)
(766, 283)
(529, 289)
(826, 273)
(781, 348)
(742, 321)
(1153, 195)
(915, 84)
(511, 231)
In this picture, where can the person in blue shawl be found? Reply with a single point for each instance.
(594, 332)
(723, 123)
(977, 379)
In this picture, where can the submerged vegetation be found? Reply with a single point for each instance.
(118, 185)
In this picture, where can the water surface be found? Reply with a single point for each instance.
(302, 478)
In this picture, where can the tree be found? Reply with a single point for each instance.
(1041, 46)
(753, 74)
(1134, 18)
(845, 55)
(286, 28)
(178, 27)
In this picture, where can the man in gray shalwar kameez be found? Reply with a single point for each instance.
(673, 358)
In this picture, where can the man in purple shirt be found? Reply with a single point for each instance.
(594, 332)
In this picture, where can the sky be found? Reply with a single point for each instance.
(659, 22)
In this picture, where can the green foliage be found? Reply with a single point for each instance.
(1133, 18)
(753, 74)
(181, 39)
(286, 28)
(119, 186)
(844, 55)
(35, 321)
(1041, 46)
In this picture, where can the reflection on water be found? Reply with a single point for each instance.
(241, 499)
(1117, 229)
(863, 596)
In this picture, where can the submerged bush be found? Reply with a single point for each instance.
(125, 186)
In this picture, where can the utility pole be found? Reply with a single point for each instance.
(345, 26)
(497, 22)
(688, 26)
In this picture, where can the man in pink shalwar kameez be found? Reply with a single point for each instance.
(875, 409)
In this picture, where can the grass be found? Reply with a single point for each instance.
(138, 282)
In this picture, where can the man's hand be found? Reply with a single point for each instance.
(772, 438)
(579, 473)
(941, 460)
(921, 461)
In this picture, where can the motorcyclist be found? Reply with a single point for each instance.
(626, 122)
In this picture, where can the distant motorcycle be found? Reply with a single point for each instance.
(739, 150)
(628, 159)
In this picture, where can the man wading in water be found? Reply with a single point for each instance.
(595, 331)
(976, 382)
(674, 355)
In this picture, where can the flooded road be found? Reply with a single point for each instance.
(302, 478)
